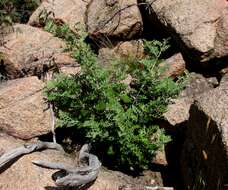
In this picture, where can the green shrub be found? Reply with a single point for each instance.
(119, 119)
(16, 10)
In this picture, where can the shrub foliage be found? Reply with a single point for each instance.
(16, 10)
(119, 118)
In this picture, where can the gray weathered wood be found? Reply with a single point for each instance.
(26, 149)
(53, 122)
(77, 177)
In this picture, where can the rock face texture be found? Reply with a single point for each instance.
(31, 51)
(114, 18)
(224, 80)
(200, 25)
(71, 12)
(22, 108)
(221, 40)
(205, 151)
(178, 112)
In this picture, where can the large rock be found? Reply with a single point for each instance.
(201, 25)
(205, 151)
(71, 12)
(178, 112)
(31, 51)
(23, 112)
(114, 18)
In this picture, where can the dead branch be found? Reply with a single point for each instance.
(77, 177)
(26, 149)
(53, 123)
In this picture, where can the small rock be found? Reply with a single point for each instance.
(213, 81)
(174, 66)
(133, 48)
(224, 71)
(126, 50)
(70, 70)
(160, 158)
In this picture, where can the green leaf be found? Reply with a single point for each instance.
(101, 106)
(125, 98)
(110, 151)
